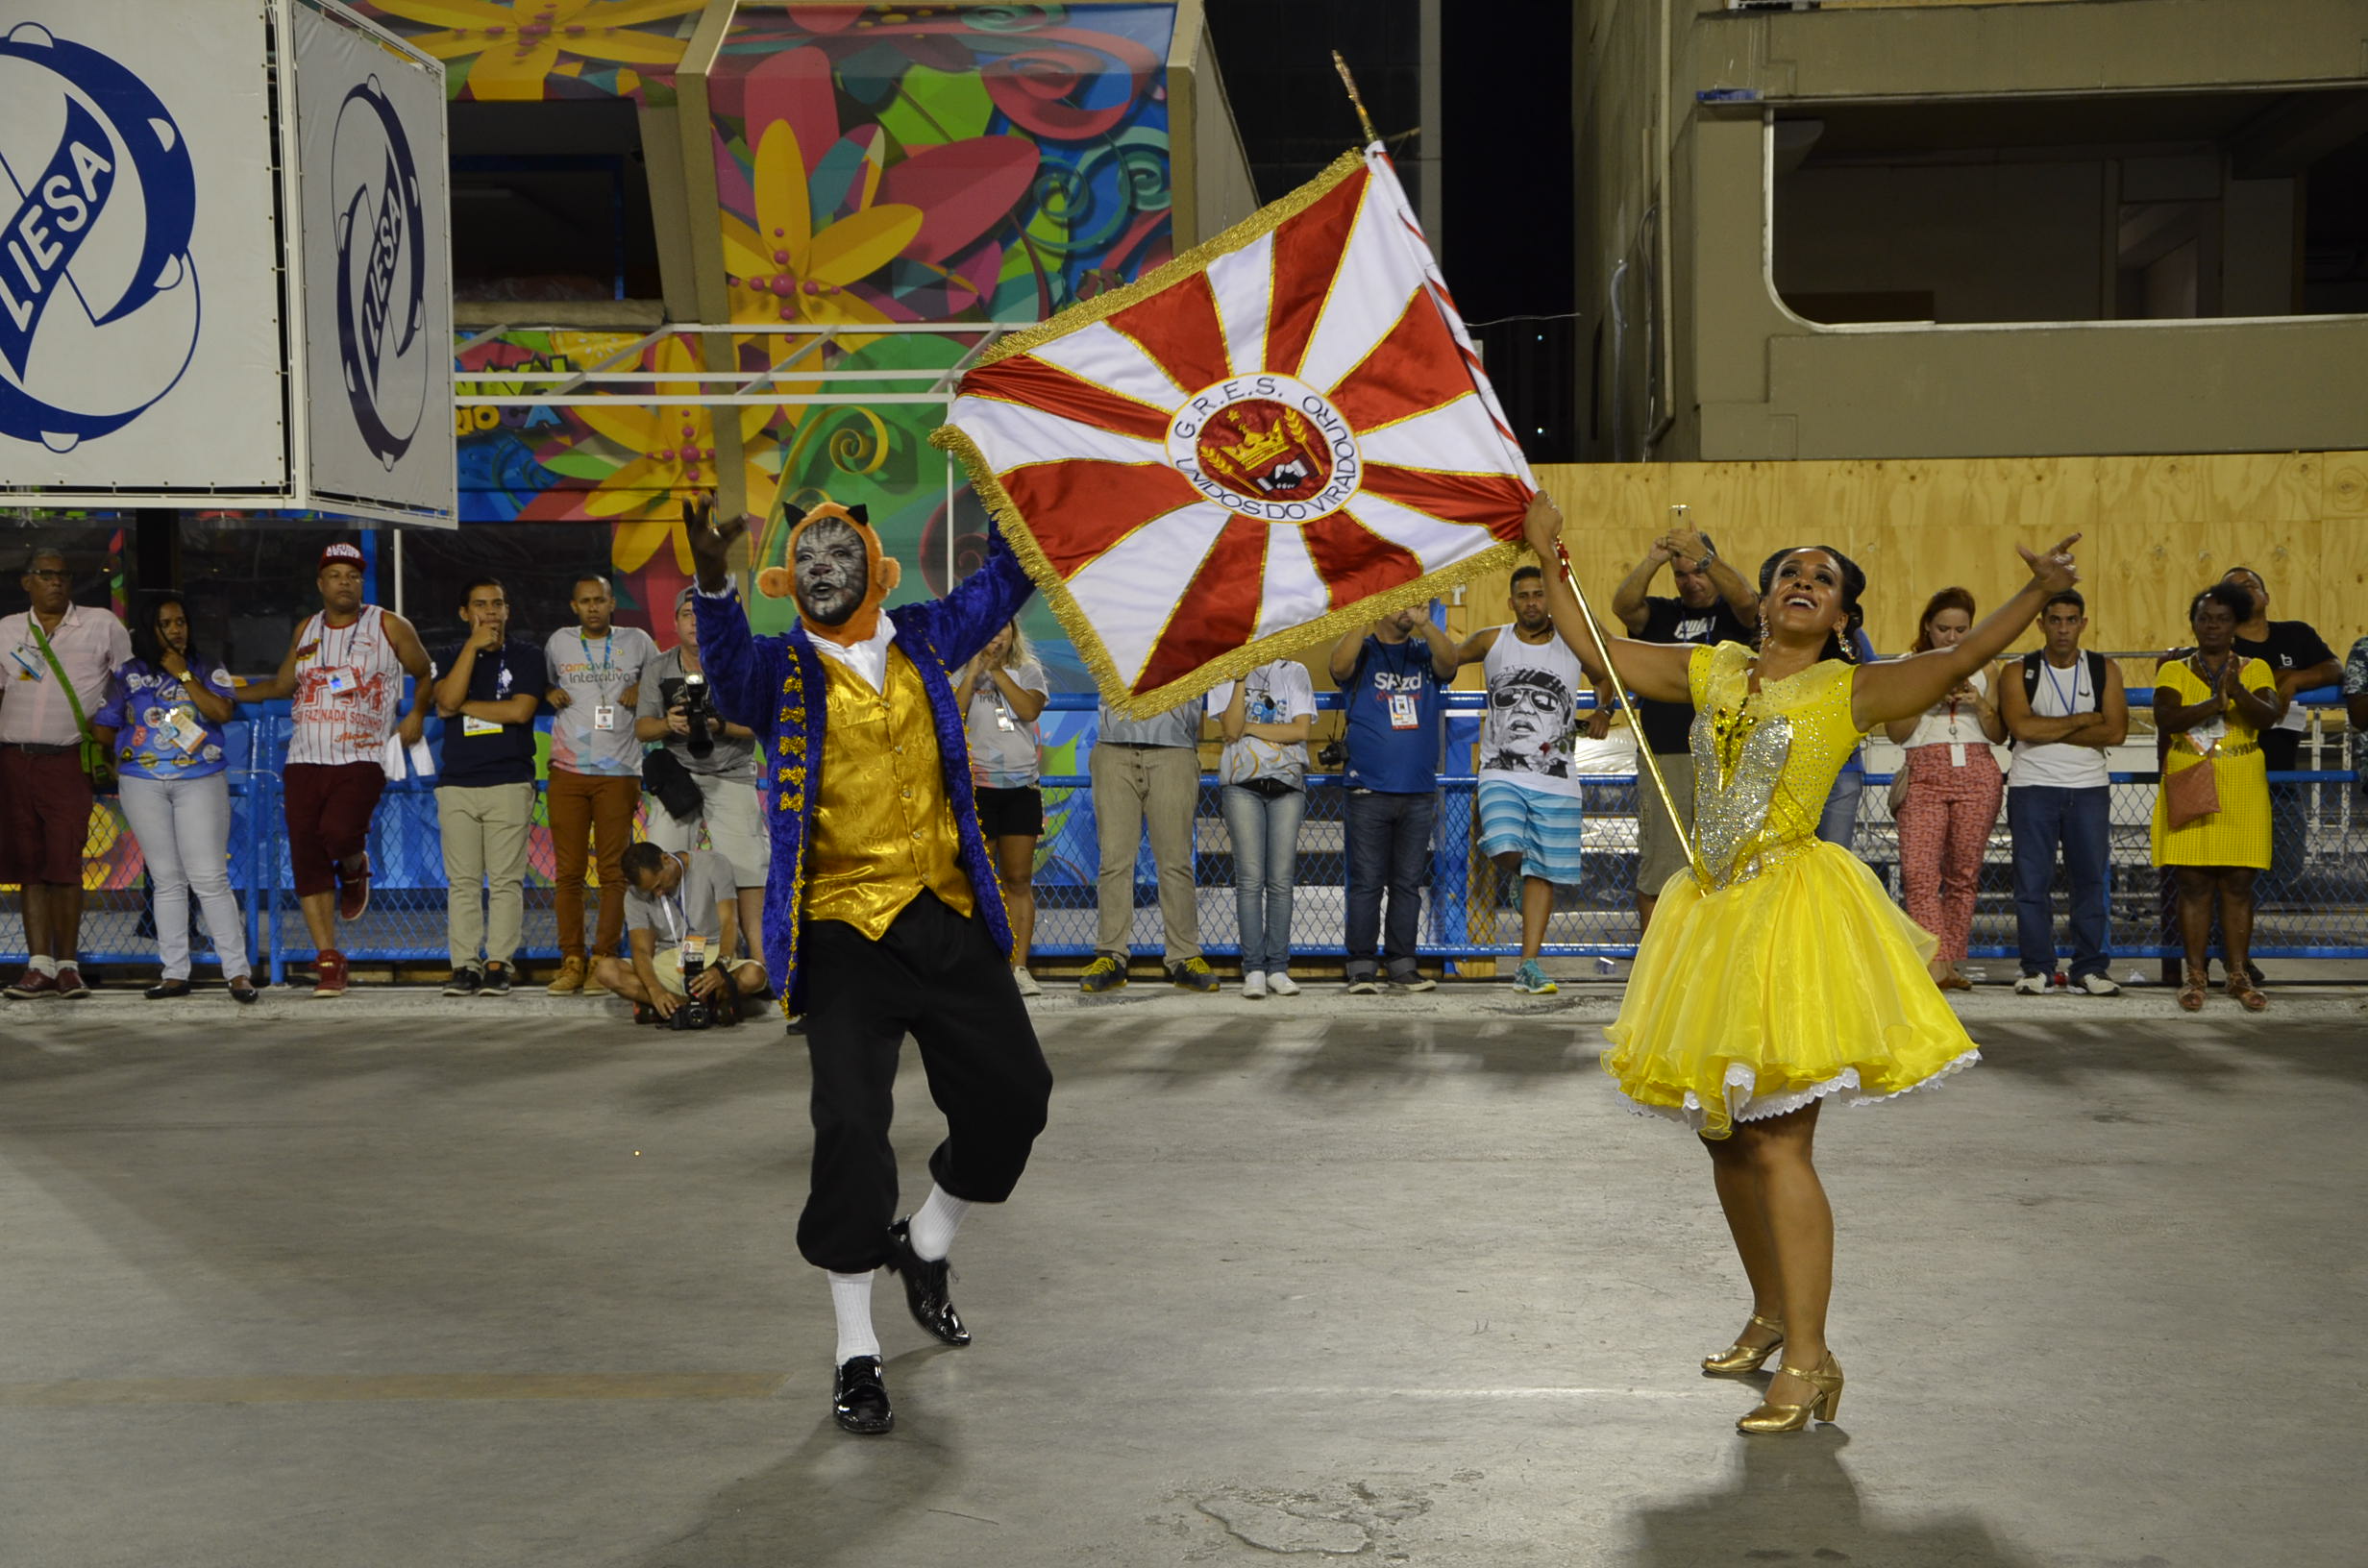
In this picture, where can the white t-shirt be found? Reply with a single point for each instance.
(1275, 694)
(2057, 765)
(1533, 705)
(1949, 723)
(596, 673)
(1004, 745)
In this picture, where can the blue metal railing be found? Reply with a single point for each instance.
(2315, 907)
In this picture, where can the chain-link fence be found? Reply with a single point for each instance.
(2313, 903)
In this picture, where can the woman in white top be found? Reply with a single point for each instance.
(1952, 790)
(1001, 693)
(1265, 718)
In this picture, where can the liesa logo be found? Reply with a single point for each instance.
(382, 272)
(98, 292)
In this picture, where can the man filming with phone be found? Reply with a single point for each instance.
(715, 759)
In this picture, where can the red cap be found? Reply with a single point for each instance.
(338, 553)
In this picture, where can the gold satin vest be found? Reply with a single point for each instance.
(883, 827)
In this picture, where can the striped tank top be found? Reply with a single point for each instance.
(348, 684)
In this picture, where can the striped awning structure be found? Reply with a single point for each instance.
(1280, 433)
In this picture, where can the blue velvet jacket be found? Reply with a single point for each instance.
(774, 685)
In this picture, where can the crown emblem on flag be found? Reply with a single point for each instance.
(1275, 437)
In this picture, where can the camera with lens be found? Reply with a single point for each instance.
(694, 1013)
(699, 714)
(1333, 757)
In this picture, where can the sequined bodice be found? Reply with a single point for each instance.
(1763, 762)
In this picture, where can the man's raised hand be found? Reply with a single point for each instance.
(712, 541)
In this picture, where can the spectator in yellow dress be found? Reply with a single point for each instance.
(2214, 703)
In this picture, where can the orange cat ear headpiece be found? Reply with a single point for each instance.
(883, 572)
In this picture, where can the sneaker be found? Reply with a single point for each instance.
(497, 980)
(1254, 985)
(571, 978)
(1530, 980)
(1413, 980)
(1104, 973)
(464, 983)
(1363, 984)
(354, 892)
(2095, 985)
(1025, 981)
(1193, 974)
(34, 983)
(70, 983)
(330, 971)
(1281, 984)
(2031, 985)
(592, 986)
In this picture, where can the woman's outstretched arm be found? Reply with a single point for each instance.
(1897, 688)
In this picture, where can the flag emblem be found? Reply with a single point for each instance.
(1274, 436)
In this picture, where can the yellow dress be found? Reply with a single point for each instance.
(2237, 834)
(1793, 975)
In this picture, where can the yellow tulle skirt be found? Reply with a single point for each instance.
(1799, 983)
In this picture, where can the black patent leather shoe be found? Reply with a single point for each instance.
(924, 1287)
(859, 1399)
(164, 991)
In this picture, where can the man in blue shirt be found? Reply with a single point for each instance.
(1391, 677)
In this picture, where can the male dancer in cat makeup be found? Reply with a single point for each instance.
(883, 915)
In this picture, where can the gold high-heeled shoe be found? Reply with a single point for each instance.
(1739, 1360)
(1771, 1416)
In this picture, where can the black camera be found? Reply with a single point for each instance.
(699, 714)
(694, 1013)
(1333, 757)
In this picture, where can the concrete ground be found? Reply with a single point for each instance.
(395, 1280)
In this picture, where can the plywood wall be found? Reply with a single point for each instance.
(2154, 530)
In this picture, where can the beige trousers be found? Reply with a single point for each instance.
(484, 830)
(1133, 784)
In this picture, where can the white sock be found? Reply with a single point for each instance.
(850, 1298)
(42, 963)
(934, 1223)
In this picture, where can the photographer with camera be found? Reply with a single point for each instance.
(704, 776)
(681, 920)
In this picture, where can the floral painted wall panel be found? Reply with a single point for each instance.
(528, 50)
(874, 165)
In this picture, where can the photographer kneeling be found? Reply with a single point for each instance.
(681, 910)
(703, 774)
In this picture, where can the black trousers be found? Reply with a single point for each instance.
(936, 976)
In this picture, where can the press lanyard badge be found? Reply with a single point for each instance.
(604, 717)
(342, 681)
(1002, 714)
(694, 948)
(1403, 714)
(186, 732)
(471, 724)
(36, 667)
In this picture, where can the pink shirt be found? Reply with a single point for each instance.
(89, 644)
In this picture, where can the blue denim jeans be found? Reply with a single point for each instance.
(1838, 822)
(1389, 850)
(1264, 831)
(2041, 817)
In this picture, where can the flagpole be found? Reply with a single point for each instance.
(1635, 727)
(1364, 119)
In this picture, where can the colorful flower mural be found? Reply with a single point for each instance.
(874, 165)
(536, 49)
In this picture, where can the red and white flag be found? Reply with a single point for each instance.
(1277, 435)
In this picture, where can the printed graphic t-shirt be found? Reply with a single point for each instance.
(1394, 712)
(160, 733)
(596, 673)
(1667, 725)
